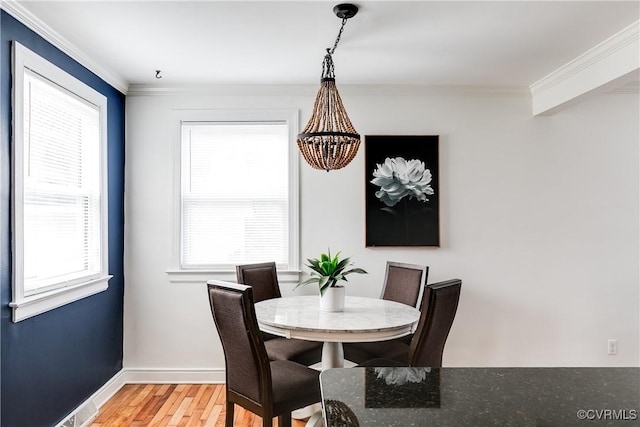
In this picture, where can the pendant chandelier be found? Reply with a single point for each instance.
(329, 140)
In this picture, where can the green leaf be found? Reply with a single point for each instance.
(354, 270)
(336, 260)
(323, 267)
(343, 264)
(323, 281)
(323, 290)
(307, 282)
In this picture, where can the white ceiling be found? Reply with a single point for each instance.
(473, 43)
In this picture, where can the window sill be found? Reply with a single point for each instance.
(37, 304)
(202, 276)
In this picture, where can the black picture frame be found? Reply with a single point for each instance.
(405, 211)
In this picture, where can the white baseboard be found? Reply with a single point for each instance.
(110, 388)
(88, 410)
(174, 376)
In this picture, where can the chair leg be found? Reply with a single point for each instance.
(228, 422)
(267, 419)
(284, 420)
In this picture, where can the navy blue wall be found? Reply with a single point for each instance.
(52, 362)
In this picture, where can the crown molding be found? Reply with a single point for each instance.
(310, 90)
(222, 90)
(15, 9)
(594, 55)
(617, 56)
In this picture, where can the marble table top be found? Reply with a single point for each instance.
(363, 319)
(518, 397)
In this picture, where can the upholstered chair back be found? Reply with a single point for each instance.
(247, 364)
(404, 283)
(263, 278)
(439, 306)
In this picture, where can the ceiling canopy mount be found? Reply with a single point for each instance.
(345, 10)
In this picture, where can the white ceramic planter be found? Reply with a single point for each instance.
(333, 299)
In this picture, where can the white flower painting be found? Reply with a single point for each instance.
(399, 178)
(402, 196)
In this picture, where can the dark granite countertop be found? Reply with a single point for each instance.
(518, 397)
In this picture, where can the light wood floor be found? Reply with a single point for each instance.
(182, 405)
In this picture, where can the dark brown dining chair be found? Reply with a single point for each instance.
(266, 388)
(403, 283)
(263, 278)
(438, 311)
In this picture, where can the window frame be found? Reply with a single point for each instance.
(286, 274)
(26, 306)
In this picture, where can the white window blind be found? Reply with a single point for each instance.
(61, 186)
(234, 193)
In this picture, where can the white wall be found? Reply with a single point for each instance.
(539, 218)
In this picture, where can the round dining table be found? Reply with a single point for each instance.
(362, 320)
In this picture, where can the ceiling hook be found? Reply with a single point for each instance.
(158, 76)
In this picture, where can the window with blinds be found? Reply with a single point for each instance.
(234, 193)
(59, 187)
(61, 177)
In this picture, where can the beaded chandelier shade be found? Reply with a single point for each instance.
(329, 140)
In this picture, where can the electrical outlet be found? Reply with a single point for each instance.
(612, 347)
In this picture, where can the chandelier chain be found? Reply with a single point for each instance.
(328, 69)
(335, 45)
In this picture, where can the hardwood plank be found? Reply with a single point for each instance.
(154, 406)
(119, 400)
(150, 408)
(137, 404)
(196, 399)
(216, 416)
(193, 389)
(221, 395)
(164, 409)
(173, 405)
(163, 389)
(206, 396)
(194, 419)
(212, 402)
(141, 395)
(177, 416)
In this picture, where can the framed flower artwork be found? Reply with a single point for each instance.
(401, 190)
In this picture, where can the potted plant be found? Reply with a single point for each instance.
(327, 272)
